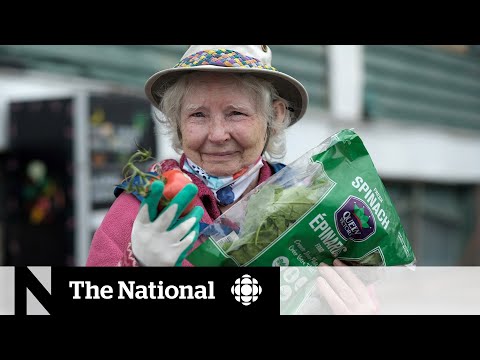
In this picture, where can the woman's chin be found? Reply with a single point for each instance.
(219, 172)
(220, 167)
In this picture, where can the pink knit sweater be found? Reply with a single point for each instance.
(111, 245)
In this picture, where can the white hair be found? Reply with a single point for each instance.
(262, 91)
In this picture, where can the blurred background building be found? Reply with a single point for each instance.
(70, 116)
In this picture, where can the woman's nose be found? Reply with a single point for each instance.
(219, 131)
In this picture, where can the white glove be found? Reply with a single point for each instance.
(166, 240)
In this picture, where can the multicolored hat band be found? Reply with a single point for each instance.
(222, 57)
(252, 59)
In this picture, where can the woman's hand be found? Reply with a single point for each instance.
(344, 292)
(166, 239)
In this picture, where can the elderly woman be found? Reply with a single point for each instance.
(226, 109)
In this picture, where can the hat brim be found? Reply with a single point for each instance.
(287, 87)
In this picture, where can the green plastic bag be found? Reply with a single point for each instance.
(330, 203)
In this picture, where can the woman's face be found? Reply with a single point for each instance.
(220, 126)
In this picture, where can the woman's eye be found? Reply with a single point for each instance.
(237, 113)
(198, 114)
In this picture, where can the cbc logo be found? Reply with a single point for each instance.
(246, 290)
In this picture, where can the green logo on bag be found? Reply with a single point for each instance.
(280, 261)
(354, 220)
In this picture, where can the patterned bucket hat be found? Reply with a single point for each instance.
(252, 59)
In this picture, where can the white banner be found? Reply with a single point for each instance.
(379, 290)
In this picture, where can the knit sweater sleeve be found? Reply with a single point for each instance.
(111, 245)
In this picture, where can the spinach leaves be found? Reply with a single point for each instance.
(271, 211)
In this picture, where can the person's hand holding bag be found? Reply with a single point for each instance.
(345, 293)
(162, 238)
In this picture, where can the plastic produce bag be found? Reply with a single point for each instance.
(330, 203)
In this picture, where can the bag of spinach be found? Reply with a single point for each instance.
(330, 203)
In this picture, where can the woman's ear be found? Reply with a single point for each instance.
(279, 110)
